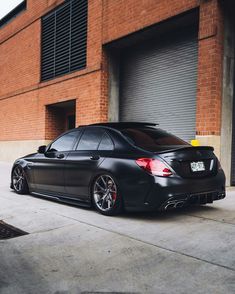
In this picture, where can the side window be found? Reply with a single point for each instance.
(90, 139)
(106, 143)
(65, 142)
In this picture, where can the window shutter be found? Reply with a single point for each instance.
(64, 39)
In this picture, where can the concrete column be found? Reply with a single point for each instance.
(228, 94)
(114, 68)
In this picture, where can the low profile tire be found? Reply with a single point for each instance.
(105, 195)
(19, 181)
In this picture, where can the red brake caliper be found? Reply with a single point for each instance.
(114, 196)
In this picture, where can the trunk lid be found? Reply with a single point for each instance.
(183, 161)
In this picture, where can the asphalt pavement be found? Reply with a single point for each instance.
(76, 250)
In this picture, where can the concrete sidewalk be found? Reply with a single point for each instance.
(76, 250)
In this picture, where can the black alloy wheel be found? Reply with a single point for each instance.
(19, 181)
(105, 195)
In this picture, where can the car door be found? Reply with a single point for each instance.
(48, 168)
(83, 162)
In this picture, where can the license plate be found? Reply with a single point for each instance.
(197, 166)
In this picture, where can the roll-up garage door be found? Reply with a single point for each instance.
(233, 145)
(158, 83)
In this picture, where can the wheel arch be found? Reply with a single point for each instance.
(23, 164)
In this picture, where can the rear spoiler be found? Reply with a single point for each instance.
(199, 148)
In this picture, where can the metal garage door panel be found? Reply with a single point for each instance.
(158, 84)
(233, 150)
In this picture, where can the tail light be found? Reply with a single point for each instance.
(154, 166)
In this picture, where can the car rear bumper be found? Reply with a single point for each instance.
(192, 199)
(174, 192)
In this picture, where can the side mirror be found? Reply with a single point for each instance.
(42, 149)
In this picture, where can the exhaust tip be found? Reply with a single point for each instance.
(169, 206)
(174, 204)
(179, 204)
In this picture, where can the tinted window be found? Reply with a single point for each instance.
(65, 142)
(90, 139)
(152, 139)
(106, 143)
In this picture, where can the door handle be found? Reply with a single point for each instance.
(95, 157)
(60, 156)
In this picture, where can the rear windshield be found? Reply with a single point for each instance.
(152, 139)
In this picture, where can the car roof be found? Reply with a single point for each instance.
(120, 125)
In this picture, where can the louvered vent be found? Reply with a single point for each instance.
(64, 39)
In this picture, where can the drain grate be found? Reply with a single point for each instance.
(8, 231)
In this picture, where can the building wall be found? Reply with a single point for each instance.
(20, 60)
(122, 17)
(228, 93)
(210, 69)
(23, 98)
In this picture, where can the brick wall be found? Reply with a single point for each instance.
(122, 17)
(20, 61)
(209, 92)
(35, 9)
(54, 122)
(23, 98)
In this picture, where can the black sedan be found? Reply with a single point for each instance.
(112, 166)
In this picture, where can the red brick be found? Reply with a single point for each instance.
(23, 98)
